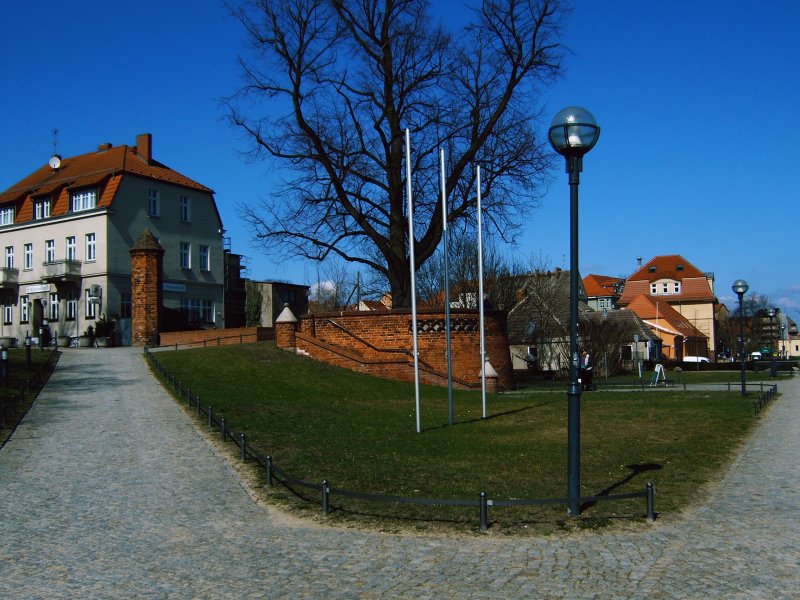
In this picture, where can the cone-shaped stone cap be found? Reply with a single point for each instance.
(147, 241)
(286, 316)
(490, 372)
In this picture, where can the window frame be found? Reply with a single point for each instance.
(9, 257)
(84, 199)
(71, 312)
(90, 311)
(7, 215)
(54, 305)
(153, 202)
(27, 257)
(185, 209)
(8, 314)
(49, 251)
(91, 247)
(71, 248)
(185, 255)
(42, 208)
(24, 310)
(204, 257)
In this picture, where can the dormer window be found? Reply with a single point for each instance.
(7, 216)
(652, 269)
(677, 287)
(679, 268)
(84, 200)
(653, 289)
(41, 208)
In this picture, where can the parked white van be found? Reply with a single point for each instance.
(696, 359)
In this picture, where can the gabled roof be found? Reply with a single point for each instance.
(600, 286)
(103, 169)
(660, 316)
(694, 283)
(545, 306)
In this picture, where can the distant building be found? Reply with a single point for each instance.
(602, 291)
(66, 229)
(675, 282)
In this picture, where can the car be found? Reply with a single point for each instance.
(755, 356)
(696, 359)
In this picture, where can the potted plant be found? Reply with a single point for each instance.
(103, 330)
(87, 339)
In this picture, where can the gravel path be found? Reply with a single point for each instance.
(107, 490)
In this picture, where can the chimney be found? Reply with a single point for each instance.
(104, 147)
(144, 146)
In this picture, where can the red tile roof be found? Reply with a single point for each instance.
(103, 169)
(600, 285)
(659, 315)
(694, 283)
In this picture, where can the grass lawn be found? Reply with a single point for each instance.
(358, 432)
(12, 404)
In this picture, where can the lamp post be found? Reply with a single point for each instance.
(773, 366)
(783, 344)
(740, 288)
(573, 132)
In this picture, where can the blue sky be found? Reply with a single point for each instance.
(698, 104)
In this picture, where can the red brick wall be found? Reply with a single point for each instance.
(217, 337)
(146, 295)
(382, 344)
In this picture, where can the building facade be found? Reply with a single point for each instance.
(67, 229)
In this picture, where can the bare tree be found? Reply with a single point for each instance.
(342, 79)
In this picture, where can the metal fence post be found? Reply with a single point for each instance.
(269, 470)
(210, 417)
(651, 511)
(197, 402)
(243, 445)
(484, 512)
(222, 428)
(325, 492)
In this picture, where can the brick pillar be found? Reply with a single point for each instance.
(285, 328)
(147, 287)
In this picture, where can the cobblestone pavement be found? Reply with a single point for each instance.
(107, 490)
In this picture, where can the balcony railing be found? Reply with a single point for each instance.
(8, 278)
(62, 270)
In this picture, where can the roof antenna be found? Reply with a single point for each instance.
(55, 160)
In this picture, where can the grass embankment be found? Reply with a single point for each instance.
(358, 432)
(15, 397)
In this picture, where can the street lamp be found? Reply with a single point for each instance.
(773, 366)
(573, 132)
(740, 289)
(783, 344)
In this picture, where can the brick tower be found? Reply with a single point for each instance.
(146, 289)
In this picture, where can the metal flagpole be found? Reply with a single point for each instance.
(446, 292)
(413, 275)
(480, 295)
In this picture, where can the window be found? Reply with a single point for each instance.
(8, 314)
(24, 309)
(84, 200)
(153, 202)
(53, 307)
(72, 253)
(7, 215)
(9, 257)
(677, 287)
(665, 288)
(185, 209)
(125, 306)
(197, 310)
(27, 256)
(91, 307)
(49, 251)
(186, 255)
(72, 306)
(41, 208)
(653, 288)
(204, 258)
(91, 247)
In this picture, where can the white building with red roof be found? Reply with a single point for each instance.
(66, 231)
